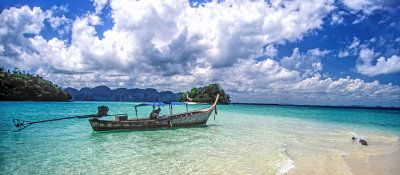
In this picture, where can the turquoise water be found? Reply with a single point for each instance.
(244, 139)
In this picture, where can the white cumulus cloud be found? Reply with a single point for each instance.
(342, 54)
(99, 5)
(366, 6)
(383, 65)
(14, 23)
(308, 64)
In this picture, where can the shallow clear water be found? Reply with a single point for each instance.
(244, 139)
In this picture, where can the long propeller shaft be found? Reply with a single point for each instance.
(22, 124)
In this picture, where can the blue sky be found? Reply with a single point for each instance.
(326, 52)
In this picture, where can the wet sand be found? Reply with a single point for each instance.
(332, 153)
(385, 164)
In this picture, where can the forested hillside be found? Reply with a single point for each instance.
(20, 86)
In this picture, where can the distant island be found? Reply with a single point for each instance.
(20, 86)
(206, 94)
(104, 93)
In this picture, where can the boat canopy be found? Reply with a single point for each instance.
(154, 104)
(159, 104)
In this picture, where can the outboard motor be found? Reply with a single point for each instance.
(102, 111)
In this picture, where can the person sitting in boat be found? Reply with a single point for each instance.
(155, 113)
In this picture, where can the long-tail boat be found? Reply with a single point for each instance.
(121, 121)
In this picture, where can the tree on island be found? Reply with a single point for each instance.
(206, 94)
(21, 86)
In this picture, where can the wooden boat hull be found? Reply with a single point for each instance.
(194, 118)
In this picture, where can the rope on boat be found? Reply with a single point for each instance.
(215, 112)
(136, 112)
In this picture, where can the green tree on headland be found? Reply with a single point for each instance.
(206, 94)
(21, 86)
